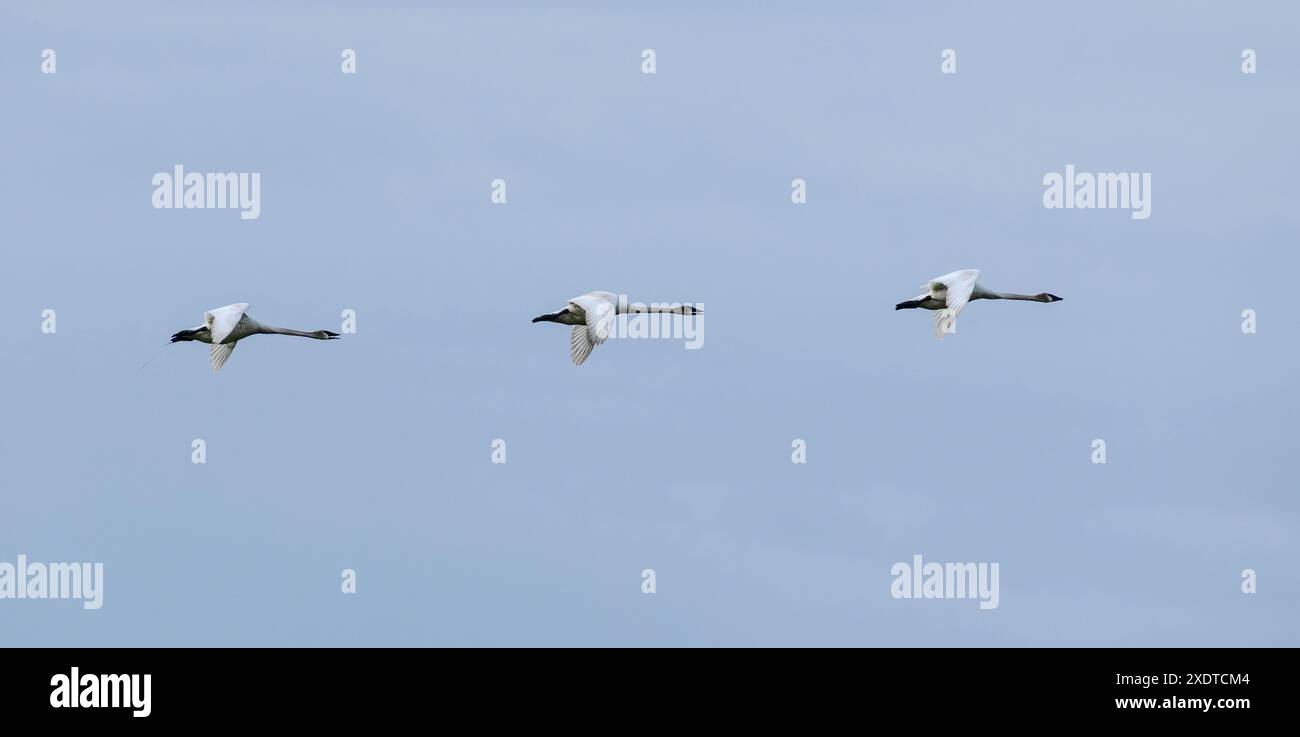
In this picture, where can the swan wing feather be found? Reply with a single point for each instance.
(579, 346)
(955, 290)
(220, 354)
(599, 314)
(221, 322)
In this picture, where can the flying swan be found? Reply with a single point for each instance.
(592, 317)
(225, 326)
(949, 294)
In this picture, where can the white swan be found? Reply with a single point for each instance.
(224, 326)
(949, 294)
(592, 317)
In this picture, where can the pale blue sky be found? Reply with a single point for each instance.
(372, 452)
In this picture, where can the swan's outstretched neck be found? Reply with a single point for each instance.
(318, 335)
(673, 309)
(1041, 297)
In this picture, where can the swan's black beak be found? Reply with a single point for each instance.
(1053, 298)
(544, 318)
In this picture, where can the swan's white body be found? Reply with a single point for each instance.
(225, 326)
(948, 294)
(592, 316)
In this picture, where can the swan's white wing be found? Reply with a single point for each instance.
(600, 314)
(945, 321)
(220, 354)
(223, 320)
(955, 290)
(938, 285)
(579, 346)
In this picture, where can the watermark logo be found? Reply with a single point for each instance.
(96, 691)
(659, 321)
(1248, 321)
(33, 580)
(946, 581)
(1104, 190)
(212, 190)
(799, 191)
(1098, 451)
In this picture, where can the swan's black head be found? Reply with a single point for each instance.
(326, 335)
(691, 310)
(1049, 297)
